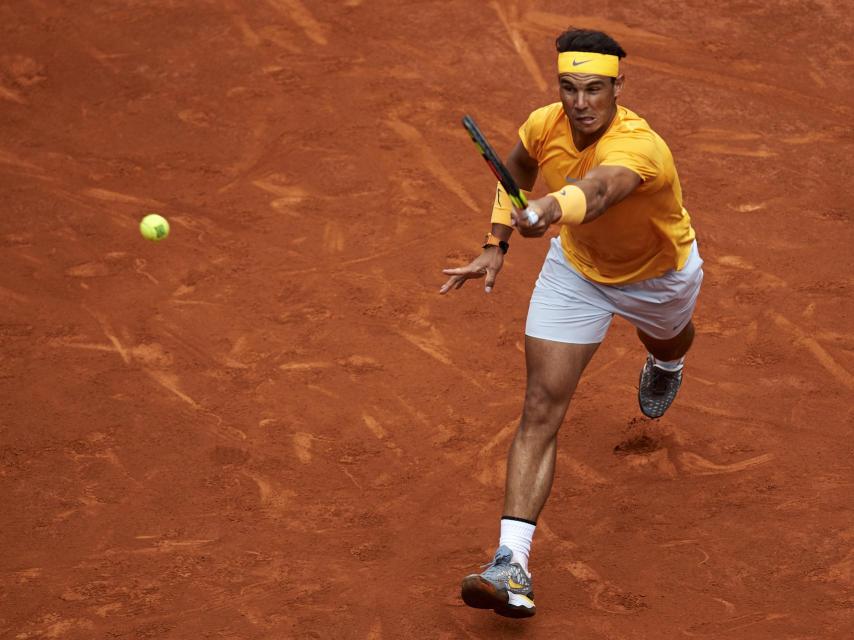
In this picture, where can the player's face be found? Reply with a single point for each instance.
(590, 101)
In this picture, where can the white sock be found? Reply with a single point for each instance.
(517, 536)
(669, 365)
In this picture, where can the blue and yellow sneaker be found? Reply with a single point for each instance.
(504, 587)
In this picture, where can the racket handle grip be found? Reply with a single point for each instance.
(532, 216)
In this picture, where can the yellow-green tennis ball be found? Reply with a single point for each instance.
(154, 227)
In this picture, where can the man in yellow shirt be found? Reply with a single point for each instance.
(626, 248)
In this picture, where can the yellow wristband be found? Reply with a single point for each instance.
(573, 204)
(502, 206)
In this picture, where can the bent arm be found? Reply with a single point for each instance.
(522, 166)
(524, 170)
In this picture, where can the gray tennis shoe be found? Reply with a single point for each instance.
(504, 587)
(657, 389)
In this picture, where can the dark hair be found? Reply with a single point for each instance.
(588, 40)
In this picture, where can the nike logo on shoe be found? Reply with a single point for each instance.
(514, 585)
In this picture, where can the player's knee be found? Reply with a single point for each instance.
(543, 410)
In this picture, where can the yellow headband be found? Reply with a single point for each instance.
(601, 64)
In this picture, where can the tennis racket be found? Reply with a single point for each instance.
(499, 169)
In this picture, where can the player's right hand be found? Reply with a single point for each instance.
(487, 264)
(548, 212)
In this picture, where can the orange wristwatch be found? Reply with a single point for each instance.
(493, 241)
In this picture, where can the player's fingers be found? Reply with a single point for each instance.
(458, 277)
(526, 230)
(522, 221)
(470, 271)
(533, 216)
(449, 283)
(457, 271)
(540, 227)
(490, 280)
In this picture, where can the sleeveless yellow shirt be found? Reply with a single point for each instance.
(641, 237)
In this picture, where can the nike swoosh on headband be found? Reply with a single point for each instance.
(575, 62)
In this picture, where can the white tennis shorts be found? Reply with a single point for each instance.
(567, 307)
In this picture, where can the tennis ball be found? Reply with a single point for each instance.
(154, 227)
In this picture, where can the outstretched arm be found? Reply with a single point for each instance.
(524, 169)
(522, 166)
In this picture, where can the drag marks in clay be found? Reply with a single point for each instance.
(716, 629)
(510, 19)
(430, 161)
(381, 434)
(17, 74)
(152, 360)
(604, 595)
(669, 459)
(842, 375)
(300, 14)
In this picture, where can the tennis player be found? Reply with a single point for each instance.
(626, 247)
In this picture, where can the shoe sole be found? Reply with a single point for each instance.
(482, 594)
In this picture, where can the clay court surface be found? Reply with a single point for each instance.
(272, 426)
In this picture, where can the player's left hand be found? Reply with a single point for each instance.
(548, 212)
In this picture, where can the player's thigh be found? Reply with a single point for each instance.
(554, 369)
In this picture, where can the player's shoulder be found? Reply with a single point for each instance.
(542, 125)
(630, 132)
(631, 124)
(547, 115)
(631, 142)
